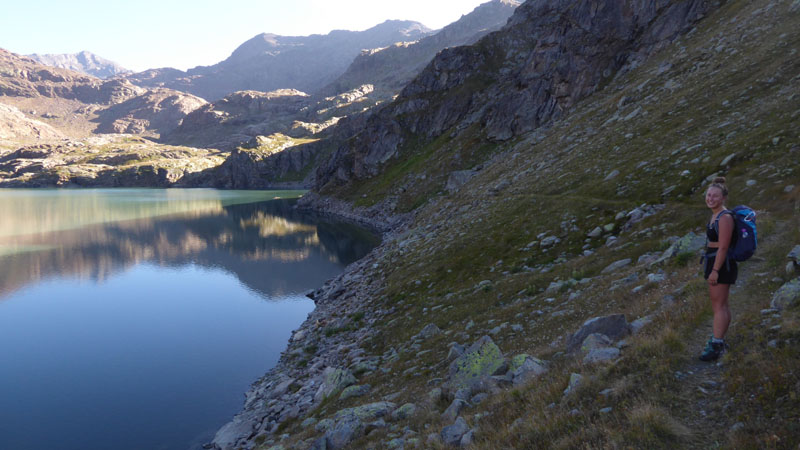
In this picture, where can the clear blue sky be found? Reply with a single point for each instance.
(147, 34)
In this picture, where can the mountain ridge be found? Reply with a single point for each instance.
(268, 62)
(84, 62)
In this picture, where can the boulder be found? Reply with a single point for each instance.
(614, 326)
(404, 412)
(794, 255)
(429, 331)
(458, 179)
(575, 381)
(689, 243)
(594, 341)
(787, 295)
(452, 434)
(344, 431)
(370, 411)
(228, 435)
(601, 355)
(333, 381)
(480, 361)
(454, 410)
(637, 325)
(613, 267)
(524, 368)
(354, 391)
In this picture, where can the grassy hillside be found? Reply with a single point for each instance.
(509, 254)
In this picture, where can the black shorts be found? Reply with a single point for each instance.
(727, 273)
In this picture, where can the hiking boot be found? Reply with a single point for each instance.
(713, 351)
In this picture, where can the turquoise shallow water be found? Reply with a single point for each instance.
(136, 319)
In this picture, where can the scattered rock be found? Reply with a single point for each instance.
(601, 355)
(434, 395)
(524, 368)
(787, 295)
(452, 434)
(324, 425)
(429, 331)
(617, 265)
(458, 179)
(344, 431)
(575, 380)
(480, 361)
(478, 398)
(370, 411)
(690, 243)
(727, 159)
(354, 391)
(334, 380)
(595, 341)
(454, 410)
(614, 326)
(404, 412)
(794, 255)
(467, 438)
(637, 325)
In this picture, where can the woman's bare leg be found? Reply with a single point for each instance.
(722, 312)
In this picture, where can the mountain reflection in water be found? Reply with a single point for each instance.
(136, 318)
(243, 239)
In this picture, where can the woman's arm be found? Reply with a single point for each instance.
(725, 235)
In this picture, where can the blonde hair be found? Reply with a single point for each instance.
(719, 183)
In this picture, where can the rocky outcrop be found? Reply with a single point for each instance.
(159, 111)
(548, 57)
(16, 126)
(391, 68)
(116, 105)
(108, 161)
(83, 62)
(268, 62)
(238, 118)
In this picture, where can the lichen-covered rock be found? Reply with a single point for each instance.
(354, 391)
(344, 431)
(324, 425)
(481, 360)
(334, 380)
(370, 411)
(689, 243)
(404, 412)
(787, 295)
(524, 368)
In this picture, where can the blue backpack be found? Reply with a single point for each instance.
(743, 241)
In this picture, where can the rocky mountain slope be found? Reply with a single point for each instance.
(269, 62)
(84, 62)
(538, 286)
(390, 68)
(79, 104)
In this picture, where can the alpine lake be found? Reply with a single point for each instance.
(138, 318)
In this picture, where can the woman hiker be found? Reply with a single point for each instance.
(720, 271)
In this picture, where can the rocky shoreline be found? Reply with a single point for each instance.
(288, 391)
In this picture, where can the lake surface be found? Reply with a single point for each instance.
(137, 318)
